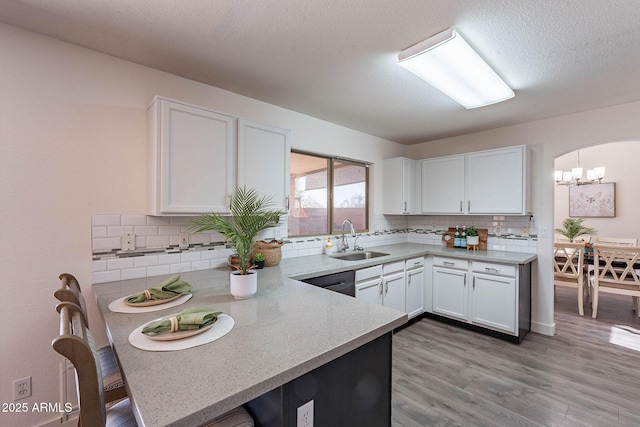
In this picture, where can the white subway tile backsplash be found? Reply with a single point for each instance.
(105, 220)
(98, 232)
(133, 273)
(158, 220)
(133, 220)
(158, 270)
(118, 231)
(162, 233)
(157, 241)
(106, 276)
(145, 261)
(146, 230)
(119, 263)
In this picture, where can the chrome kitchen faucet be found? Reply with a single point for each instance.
(345, 244)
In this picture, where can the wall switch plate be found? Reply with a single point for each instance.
(22, 388)
(305, 415)
(183, 240)
(128, 242)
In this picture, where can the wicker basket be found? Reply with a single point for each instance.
(272, 251)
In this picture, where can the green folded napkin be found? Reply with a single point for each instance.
(169, 288)
(189, 319)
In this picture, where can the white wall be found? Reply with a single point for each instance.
(547, 139)
(72, 144)
(621, 160)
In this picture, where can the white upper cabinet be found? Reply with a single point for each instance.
(196, 157)
(443, 185)
(263, 160)
(190, 157)
(496, 181)
(484, 183)
(399, 187)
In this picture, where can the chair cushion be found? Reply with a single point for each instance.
(238, 417)
(121, 415)
(111, 376)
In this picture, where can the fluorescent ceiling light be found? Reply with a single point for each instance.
(449, 64)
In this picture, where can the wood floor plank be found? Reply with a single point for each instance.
(588, 374)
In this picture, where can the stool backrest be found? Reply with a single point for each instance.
(76, 343)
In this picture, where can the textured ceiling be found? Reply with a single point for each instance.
(336, 59)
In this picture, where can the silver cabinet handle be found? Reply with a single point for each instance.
(460, 205)
(465, 279)
(491, 270)
(405, 207)
(474, 282)
(468, 205)
(448, 263)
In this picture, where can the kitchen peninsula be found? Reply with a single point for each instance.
(291, 343)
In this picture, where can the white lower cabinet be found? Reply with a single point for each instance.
(415, 286)
(450, 293)
(494, 296)
(369, 284)
(480, 293)
(383, 284)
(394, 286)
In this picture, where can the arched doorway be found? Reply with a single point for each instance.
(622, 169)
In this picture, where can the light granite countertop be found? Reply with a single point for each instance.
(287, 329)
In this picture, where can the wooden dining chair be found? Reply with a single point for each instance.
(620, 241)
(112, 380)
(568, 268)
(616, 272)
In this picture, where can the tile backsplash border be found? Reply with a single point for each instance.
(157, 241)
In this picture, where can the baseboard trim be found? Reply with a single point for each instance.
(544, 328)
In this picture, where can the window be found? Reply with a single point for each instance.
(325, 191)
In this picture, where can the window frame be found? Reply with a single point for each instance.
(331, 160)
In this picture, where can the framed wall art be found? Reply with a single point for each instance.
(593, 200)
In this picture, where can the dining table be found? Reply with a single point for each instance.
(289, 329)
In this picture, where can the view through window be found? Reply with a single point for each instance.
(324, 192)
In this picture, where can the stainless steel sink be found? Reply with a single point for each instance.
(359, 256)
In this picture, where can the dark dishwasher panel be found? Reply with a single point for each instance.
(344, 282)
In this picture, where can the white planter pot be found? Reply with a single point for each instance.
(473, 240)
(243, 286)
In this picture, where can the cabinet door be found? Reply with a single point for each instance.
(450, 294)
(398, 186)
(443, 185)
(393, 291)
(415, 291)
(190, 155)
(370, 291)
(493, 302)
(496, 181)
(263, 160)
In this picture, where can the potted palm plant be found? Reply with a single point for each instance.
(250, 214)
(573, 227)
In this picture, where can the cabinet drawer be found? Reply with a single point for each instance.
(393, 267)
(450, 263)
(491, 268)
(414, 263)
(368, 273)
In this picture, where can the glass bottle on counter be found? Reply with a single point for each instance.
(463, 237)
(456, 237)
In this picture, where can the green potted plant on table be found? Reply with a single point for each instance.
(573, 227)
(259, 260)
(472, 236)
(250, 214)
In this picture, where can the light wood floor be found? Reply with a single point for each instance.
(588, 374)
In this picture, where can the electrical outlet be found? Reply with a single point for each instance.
(22, 388)
(305, 415)
(183, 240)
(128, 242)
